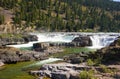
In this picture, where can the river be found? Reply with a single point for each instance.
(19, 70)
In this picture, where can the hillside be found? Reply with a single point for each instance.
(62, 15)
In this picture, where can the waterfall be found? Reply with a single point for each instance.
(55, 37)
(100, 41)
(48, 37)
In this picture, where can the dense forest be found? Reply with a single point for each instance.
(65, 15)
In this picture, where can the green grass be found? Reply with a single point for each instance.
(14, 71)
(87, 74)
(72, 51)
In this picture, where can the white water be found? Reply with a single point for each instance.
(46, 37)
(49, 60)
(100, 41)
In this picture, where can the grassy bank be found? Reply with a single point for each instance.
(72, 51)
(14, 71)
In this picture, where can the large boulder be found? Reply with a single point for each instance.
(29, 38)
(14, 55)
(116, 42)
(108, 55)
(8, 54)
(82, 41)
(40, 46)
(47, 48)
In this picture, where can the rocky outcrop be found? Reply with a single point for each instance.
(116, 43)
(110, 55)
(80, 41)
(76, 58)
(47, 48)
(40, 46)
(83, 41)
(7, 40)
(60, 71)
(13, 55)
(29, 38)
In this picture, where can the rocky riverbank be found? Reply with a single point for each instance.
(104, 64)
(76, 71)
(9, 39)
(14, 55)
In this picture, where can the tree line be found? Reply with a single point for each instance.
(65, 15)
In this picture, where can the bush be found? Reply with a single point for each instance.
(87, 74)
(90, 62)
(105, 69)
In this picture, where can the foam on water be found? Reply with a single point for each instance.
(100, 41)
(49, 60)
(46, 37)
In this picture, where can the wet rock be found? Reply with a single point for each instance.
(109, 55)
(116, 43)
(82, 41)
(40, 46)
(29, 38)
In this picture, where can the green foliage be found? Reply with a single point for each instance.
(90, 62)
(87, 74)
(105, 69)
(65, 15)
(14, 71)
(72, 51)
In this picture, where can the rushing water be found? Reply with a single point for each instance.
(13, 71)
(46, 37)
(99, 41)
(50, 60)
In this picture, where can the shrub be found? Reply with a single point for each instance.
(105, 69)
(90, 62)
(87, 74)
